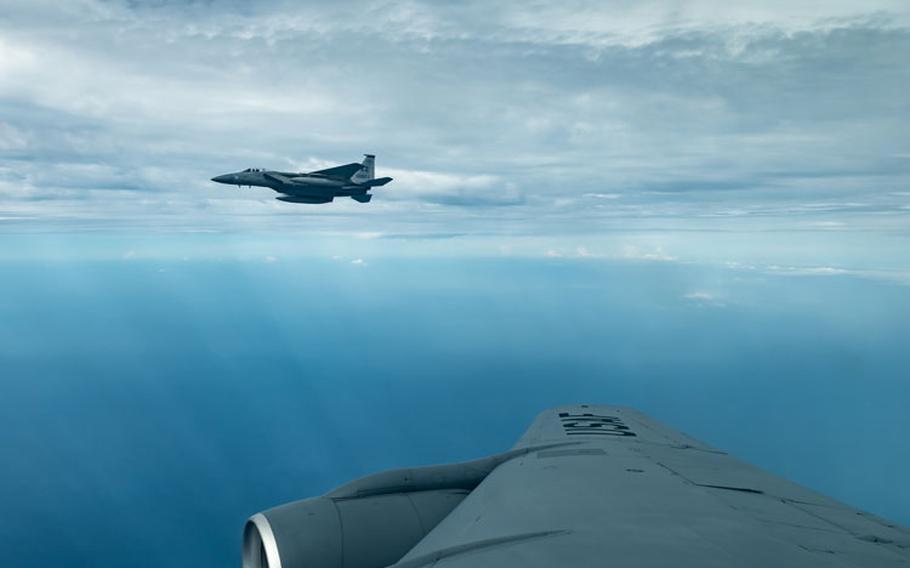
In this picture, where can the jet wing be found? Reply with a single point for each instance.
(608, 486)
(341, 172)
(279, 178)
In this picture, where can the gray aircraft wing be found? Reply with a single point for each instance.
(631, 492)
(586, 485)
(341, 172)
(275, 176)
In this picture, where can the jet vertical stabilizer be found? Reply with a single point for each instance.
(368, 171)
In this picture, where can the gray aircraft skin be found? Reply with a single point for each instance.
(587, 485)
(322, 186)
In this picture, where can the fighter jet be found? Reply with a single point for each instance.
(587, 485)
(322, 186)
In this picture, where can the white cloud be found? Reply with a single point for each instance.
(12, 138)
(808, 270)
(699, 295)
(14, 59)
(635, 24)
(634, 252)
(704, 298)
(609, 196)
(450, 188)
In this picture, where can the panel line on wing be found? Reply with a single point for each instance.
(438, 555)
(579, 452)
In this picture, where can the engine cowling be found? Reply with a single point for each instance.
(370, 522)
(364, 532)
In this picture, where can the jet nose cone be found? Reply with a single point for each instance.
(220, 179)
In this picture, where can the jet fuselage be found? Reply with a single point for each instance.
(351, 180)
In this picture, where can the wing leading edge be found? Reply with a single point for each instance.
(611, 486)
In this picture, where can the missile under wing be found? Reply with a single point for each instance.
(586, 485)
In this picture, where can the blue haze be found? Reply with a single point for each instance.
(149, 407)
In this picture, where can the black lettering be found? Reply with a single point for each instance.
(588, 424)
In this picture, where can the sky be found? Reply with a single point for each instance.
(520, 121)
(700, 209)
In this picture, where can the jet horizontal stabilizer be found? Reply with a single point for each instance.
(377, 182)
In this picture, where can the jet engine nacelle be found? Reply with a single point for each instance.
(371, 522)
(363, 532)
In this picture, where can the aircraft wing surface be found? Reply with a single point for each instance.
(341, 172)
(608, 486)
(278, 177)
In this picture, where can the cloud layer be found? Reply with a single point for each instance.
(517, 119)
